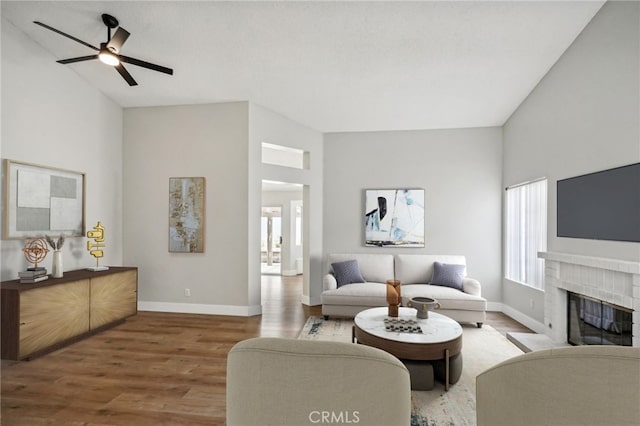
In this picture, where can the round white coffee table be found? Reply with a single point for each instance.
(441, 337)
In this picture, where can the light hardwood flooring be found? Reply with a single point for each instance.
(156, 369)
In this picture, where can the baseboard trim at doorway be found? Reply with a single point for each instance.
(306, 300)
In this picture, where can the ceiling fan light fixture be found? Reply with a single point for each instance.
(108, 58)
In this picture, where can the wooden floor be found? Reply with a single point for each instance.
(156, 369)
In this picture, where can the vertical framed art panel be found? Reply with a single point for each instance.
(41, 200)
(186, 214)
(394, 217)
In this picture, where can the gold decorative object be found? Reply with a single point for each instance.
(95, 248)
(35, 250)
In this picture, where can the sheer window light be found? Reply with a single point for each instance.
(526, 232)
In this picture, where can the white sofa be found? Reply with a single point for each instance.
(414, 272)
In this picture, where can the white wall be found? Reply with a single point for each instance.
(195, 140)
(461, 172)
(268, 126)
(221, 142)
(51, 117)
(582, 117)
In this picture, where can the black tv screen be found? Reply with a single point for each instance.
(601, 206)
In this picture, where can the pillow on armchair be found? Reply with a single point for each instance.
(448, 275)
(347, 272)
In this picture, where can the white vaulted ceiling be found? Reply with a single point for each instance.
(334, 66)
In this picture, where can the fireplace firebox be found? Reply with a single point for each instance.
(595, 322)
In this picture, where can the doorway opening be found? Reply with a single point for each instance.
(271, 240)
(282, 228)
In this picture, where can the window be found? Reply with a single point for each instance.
(526, 232)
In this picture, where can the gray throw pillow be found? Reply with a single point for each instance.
(448, 275)
(347, 272)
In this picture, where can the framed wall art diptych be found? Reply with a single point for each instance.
(186, 214)
(41, 200)
(394, 217)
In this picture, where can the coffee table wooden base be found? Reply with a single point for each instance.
(414, 351)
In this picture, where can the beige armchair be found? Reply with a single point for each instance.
(281, 382)
(581, 385)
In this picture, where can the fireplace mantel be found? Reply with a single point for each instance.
(594, 262)
(611, 280)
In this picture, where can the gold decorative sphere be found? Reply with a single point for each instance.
(35, 250)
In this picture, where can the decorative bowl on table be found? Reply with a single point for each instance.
(423, 305)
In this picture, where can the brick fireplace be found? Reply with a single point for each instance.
(610, 280)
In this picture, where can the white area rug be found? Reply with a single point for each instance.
(482, 348)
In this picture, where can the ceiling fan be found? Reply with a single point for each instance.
(109, 51)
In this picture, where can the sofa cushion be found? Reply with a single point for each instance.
(448, 275)
(376, 268)
(449, 298)
(361, 294)
(347, 272)
(418, 268)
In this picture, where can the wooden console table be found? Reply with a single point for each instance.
(42, 317)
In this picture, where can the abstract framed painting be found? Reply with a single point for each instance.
(394, 217)
(186, 214)
(42, 200)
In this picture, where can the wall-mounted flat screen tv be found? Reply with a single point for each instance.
(602, 206)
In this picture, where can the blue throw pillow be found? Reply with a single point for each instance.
(347, 272)
(448, 275)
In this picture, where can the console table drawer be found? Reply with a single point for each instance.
(50, 315)
(113, 297)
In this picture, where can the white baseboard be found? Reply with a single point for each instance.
(525, 320)
(197, 308)
(289, 273)
(494, 307)
(247, 311)
(306, 300)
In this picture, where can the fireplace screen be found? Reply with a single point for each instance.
(594, 322)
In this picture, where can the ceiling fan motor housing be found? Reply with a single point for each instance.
(109, 21)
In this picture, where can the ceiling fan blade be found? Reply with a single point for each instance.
(125, 74)
(144, 64)
(118, 39)
(65, 34)
(78, 59)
